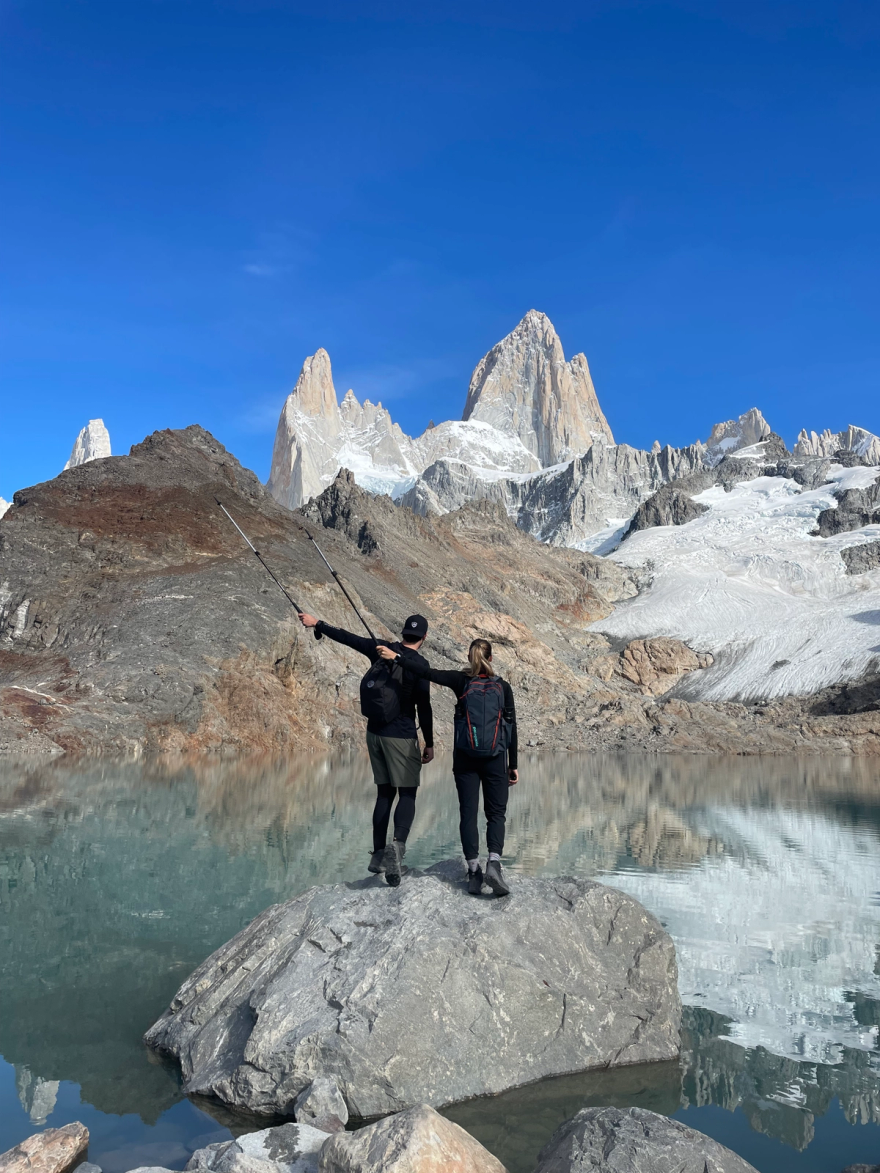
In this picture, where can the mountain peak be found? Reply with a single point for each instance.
(732, 435)
(524, 387)
(92, 443)
(314, 392)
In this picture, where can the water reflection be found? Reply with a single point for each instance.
(115, 881)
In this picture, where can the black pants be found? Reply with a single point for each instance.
(404, 813)
(471, 775)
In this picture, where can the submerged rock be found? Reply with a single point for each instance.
(53, 1151)
(611, 1140)
(401, 995)
(418, 1140)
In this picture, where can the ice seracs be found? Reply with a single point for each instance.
(92, 443)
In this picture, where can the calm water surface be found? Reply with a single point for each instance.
(116, 881)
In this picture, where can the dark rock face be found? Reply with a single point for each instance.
(634, 1141)
(855, 508)
(372, 987)
(668, 506)
(861, 559)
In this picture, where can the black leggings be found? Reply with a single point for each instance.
(471, 776)
(404, 813)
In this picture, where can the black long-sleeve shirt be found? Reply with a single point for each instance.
(415, 694)
(458, 682)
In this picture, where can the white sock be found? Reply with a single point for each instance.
(473, 864)
(494, 855)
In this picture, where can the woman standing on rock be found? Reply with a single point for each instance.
(484, 755)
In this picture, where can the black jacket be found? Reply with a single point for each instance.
(415, 694)
(458, 682)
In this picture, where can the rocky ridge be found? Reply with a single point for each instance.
(133, 618)
(853, 442)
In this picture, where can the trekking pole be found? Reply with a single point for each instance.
(338, 579)
(266, 567)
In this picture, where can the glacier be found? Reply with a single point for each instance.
(750, 583)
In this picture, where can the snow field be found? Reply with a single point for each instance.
(748, 583)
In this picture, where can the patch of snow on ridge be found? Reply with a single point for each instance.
(748, 583)
(4, 505)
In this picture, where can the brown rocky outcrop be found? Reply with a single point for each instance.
(655, 665)
(55, 1150)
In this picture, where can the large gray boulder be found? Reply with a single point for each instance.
(612, 1140)
(423, 994)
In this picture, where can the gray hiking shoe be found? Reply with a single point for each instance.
(392, 861)
(495, 878)
(375, 864)
(475, 881)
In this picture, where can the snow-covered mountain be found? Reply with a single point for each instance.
(767, 558)
(526, 408)
(4, 505)
(92, 443)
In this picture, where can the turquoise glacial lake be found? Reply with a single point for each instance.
(117, 880)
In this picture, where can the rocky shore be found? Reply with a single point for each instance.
(419, 1140)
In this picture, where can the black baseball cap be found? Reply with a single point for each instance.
(416, 627)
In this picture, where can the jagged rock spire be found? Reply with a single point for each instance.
(854, 440)
(732, 435)
(524, 387)
(92, 443)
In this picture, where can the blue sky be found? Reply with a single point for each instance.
(197, 195)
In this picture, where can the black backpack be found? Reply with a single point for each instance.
(381, 686)
(480, 727)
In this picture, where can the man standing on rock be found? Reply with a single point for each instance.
(392, 738)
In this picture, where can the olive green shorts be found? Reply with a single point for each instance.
(396, 761)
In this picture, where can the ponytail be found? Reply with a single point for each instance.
(480, 658)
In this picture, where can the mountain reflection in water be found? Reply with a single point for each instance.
(117, 880)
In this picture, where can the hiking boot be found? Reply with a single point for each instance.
(392, 861)
(475, 881)
(495, 878)
(375, 864)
